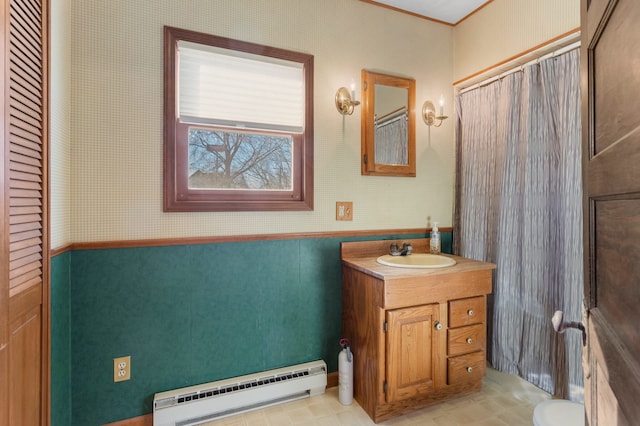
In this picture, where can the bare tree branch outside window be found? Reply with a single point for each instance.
(239, 160)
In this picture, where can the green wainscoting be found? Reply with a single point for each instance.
(186, 315)
(60, 296)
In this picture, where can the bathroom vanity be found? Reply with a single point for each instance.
(418, 335)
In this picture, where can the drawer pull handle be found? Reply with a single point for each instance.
(469, 369)
(469, 340)
(437, 325)
(470, 312)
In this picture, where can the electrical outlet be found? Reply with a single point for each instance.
(121, 369)
(344, 210)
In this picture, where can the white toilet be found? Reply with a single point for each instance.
(558, 412)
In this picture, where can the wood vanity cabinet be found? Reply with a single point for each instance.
(418, 335)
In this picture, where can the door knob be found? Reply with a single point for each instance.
(560, 326)
(470, 312)
(437, 325)
(469, 340)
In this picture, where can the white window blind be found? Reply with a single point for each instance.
(229, 88)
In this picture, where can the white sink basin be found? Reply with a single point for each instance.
(417, 260)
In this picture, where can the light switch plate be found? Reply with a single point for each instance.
(344, 210)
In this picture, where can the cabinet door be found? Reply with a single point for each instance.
(411, 351)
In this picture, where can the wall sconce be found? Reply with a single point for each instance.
(429, 113)
(345, 101)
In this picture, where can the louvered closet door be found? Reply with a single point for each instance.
(24, 288)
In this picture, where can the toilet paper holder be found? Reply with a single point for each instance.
(560, 326)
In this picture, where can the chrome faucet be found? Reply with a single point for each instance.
(406, 250)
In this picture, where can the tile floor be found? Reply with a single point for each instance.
(505, 400)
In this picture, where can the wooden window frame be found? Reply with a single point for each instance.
(178, 197)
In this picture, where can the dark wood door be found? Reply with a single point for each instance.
(611, 142)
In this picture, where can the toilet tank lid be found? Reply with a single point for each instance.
(558, 412)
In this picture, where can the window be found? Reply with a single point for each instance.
(238, 125)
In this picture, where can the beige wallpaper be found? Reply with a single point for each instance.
(106, 106)
(60, 124)
(116, 116)
(506, 28)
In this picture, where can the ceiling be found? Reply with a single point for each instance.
(449, 11)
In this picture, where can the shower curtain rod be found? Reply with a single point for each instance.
(391, 120)
(521, 67)
(392, 113)
(390, 117)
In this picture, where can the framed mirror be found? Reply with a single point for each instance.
(388, 125)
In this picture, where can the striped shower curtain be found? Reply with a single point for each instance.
(519, 205)
(391, 142)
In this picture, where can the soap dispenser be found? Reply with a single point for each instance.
(435, 239)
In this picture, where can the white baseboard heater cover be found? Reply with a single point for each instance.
(199, 404)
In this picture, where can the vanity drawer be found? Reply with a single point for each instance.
(466, 339)
(466, 311)
(465, 368)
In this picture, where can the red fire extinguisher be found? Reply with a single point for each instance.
(345, 373)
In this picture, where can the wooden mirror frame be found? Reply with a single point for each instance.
(369, 166)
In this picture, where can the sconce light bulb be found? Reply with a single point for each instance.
(441, 106)
(353, 90)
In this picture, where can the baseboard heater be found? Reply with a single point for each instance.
(199, 404)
